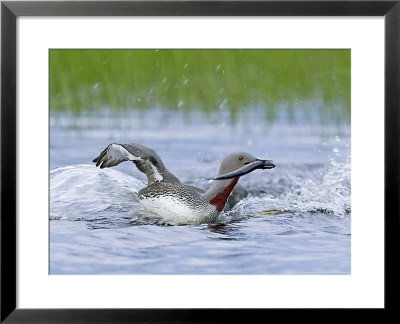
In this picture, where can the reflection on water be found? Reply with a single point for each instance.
(295, 220)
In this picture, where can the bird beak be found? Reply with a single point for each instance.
(267, 164)
(249, 167)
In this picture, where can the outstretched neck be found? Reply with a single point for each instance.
(219, 192)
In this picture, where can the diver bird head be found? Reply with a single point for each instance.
(238, 164)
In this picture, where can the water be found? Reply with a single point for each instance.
(296, 219)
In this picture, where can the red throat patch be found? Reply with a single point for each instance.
(220, 199)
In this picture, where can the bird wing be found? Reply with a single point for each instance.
(113, 155)
(145, 159)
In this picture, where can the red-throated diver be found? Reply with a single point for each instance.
(190, 204)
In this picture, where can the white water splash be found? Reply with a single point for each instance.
(328, 194)
(326, 190)
(86, 192)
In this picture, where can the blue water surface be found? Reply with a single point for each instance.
(296, 219)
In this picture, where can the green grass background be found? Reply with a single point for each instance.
(314, 81)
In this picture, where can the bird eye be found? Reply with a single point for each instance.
(240, 158)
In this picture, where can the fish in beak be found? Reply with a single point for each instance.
(249, 167)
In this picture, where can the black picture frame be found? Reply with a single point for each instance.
(10, 10)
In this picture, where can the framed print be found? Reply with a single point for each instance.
(125, 129)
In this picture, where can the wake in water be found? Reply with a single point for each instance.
(82, 192)
(109, 198)
(318, 189)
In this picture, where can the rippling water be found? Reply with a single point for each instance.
(296, 219)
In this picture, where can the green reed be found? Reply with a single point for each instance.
(315, 81)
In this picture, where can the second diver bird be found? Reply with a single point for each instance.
(189, 204)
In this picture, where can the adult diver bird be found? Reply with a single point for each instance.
(190, 204)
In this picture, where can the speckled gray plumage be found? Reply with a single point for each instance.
(193, 204)
(147, 159)
(189, 195)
